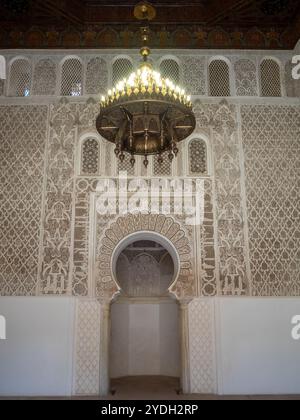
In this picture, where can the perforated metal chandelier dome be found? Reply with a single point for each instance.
(146, 114)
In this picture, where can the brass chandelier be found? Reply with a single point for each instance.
(146, 114)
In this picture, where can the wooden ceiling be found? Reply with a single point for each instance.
(178, 24)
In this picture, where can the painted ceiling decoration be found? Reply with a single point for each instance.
(253, 24)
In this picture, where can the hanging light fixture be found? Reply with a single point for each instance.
(146, 114)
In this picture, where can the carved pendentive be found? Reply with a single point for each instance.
(245, 78)
(44, 78)
(144, 272)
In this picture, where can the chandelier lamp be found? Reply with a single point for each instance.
(146, 114)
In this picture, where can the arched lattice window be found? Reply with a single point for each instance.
(198, 157)
(71, 77)
(20, 78)
(270, 79)
(90, 153)
(219, 78)
(164, 168)
(170, 69)
(122, 68)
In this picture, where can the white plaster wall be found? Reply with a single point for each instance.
(36, 357)
(256, 352)
(145, 339)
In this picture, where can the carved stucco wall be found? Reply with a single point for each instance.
(271, 138)
(87, 347)
(46, 217)
(202, 352)
(67, 121)
(220, 123)
(52, 256)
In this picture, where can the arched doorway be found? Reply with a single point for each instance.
(121, 233)
(144, 317)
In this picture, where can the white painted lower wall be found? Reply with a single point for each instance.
(36, 357)
(145, 339)
(256, 351)
(237, 346)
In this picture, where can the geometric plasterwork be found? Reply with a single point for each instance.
(202, 357)
(271, 141)
(87, 347)
(22, 160)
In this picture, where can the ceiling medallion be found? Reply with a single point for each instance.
(146, 114)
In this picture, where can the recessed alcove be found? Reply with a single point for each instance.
(144, 317)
